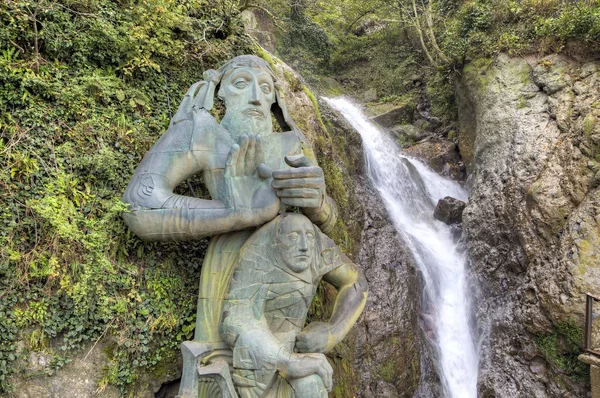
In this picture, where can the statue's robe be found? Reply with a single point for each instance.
(265, 296)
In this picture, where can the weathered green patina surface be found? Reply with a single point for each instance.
(252, 174)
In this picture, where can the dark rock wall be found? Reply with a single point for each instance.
(387, 341)
(529, 137)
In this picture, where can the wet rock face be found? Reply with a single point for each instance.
(386, 339)
(387, 355)
(441, 155)
(529, 134)
(394, 116)
(449, 210)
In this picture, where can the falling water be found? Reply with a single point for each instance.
(410, 191)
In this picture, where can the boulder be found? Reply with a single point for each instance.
(423, 124)
(449, 210)
(439, 154)
(396, 115)
(407, 134)
(370, 95)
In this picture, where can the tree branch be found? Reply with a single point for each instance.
(36, 48)
(420, 33)
(358, 19)
(429, 19)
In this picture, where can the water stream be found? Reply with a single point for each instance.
(410, 191)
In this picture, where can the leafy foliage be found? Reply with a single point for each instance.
(390, 45)
(307, 34)
(562, 348)
(86, 87)
(486, 27)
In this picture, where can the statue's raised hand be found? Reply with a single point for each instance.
(248, 181)
(302, 186)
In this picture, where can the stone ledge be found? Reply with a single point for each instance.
(590, 359)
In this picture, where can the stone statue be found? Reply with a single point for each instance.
(265, 310)
(252, 173)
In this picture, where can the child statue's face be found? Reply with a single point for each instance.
(296, 242)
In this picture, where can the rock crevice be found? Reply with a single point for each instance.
(529, 136)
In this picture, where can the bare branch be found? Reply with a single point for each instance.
(359, 18)
(429, 19)
(83, 14)
(420, 33)
(18, 46)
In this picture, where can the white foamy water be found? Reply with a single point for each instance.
(410, 191)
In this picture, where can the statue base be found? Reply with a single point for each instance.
(206, 372)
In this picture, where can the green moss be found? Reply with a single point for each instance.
(292, 79)
(482, 64)
(261, 52)
(587, 252)
(165, 365)
(440, 92)
(589, 122)
(313, 99)
(562, 347)
(405, 141)
(110, 351)
(338, 188)
(330, 87)
(345, 379)
(401, 363)
(387, 370)
(407, 102)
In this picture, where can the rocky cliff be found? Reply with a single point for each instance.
(387, 345)
(529, 136)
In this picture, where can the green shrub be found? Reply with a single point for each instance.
(76, 117)
(475, 16)
(578, 21)
(562, 347)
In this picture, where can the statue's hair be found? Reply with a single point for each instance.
(251, 61)
(272, 229)
(283, 216)
(212, 81)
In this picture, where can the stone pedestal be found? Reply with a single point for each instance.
(594, 362)
(595, 380)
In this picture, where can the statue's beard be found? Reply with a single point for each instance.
(239, 123)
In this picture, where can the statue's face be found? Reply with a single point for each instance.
(248, 93)
(296, 242)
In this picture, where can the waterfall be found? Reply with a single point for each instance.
(410, 191)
